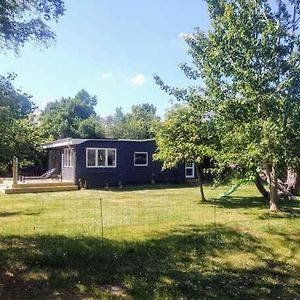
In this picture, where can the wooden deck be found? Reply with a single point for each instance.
(36, 186)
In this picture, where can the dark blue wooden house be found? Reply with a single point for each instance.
(111, 162)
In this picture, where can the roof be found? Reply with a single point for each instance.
(73, 141)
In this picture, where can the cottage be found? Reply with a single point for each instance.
(111, 162)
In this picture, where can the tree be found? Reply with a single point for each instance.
(18, 103)
(63, 118)
(92, 128)
(137, 124)
(187, 134)
(250, 66)
(22, 21)
(115, 124)
(19, 135)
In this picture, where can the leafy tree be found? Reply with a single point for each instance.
(22, 21)
(63, 118)
(187, 134)
(137, 124)
(19, 137)
(92, 127)
(250, 65)
(25, 20)
(115, 124)
(18, 103)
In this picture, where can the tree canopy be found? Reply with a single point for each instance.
(22, 21)
(249, 63)
(72, 117)
(19, 134)
(187, 135)
(136, 124)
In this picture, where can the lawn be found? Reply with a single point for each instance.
(148, 243)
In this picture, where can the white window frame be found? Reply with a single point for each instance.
(189, 168)
(68, 156)
(96, 158)
(139, 165)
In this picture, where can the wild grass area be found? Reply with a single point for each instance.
(158, 243)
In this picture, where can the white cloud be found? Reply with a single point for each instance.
(138, 79)
(106, 75)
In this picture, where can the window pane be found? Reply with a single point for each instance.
(68, 157)
(101, 157)
(91, 157)
(70, 154)
(111, 157)
(71, 157)
(140, 158)
(189, 164)
(189, 172)
(65, 157)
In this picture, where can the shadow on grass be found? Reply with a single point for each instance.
(241, 202)
(184, 264)
(6, 214)
(288, 208)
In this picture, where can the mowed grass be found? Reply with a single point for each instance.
(152, 242)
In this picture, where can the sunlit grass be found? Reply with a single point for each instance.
(158, 242)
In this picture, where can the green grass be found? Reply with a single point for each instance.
(158, 243)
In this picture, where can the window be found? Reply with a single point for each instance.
(189, 170)
(101, 158)
(91, 158)
(68, 157)
(140, 159)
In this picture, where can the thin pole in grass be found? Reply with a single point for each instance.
(215, 218)
(102, 228)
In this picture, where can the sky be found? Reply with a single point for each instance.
(111, 48)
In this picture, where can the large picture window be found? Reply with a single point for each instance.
(140, 159)
(189, 170)
(101, 158)
(68, 157)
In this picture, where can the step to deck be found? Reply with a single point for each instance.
(40, 189)
(43, 184)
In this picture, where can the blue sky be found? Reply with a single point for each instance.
(111, 48)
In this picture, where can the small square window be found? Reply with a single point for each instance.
(189, 170)
(140, 159)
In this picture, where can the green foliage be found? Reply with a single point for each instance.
(92, 128)
(22, 21)
(186, 134)
(250, 66)
(19, 134)
(19, 137)
(18, 103)
(137, 124)
(71, 117)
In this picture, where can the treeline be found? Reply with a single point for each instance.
(24, 128)
(76, 117)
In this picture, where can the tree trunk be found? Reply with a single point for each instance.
(273, 176)
(260, 186)
(200, 181)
